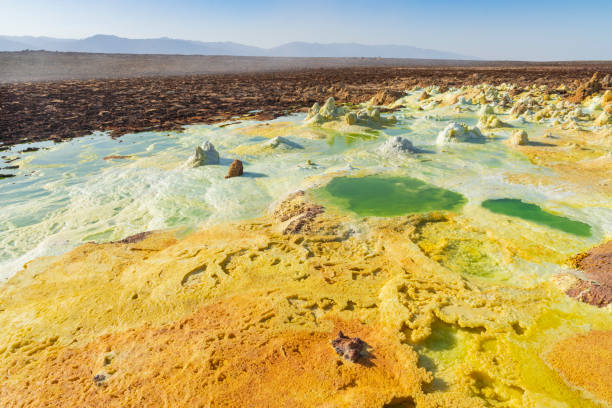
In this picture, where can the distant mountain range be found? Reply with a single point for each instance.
(110, 44)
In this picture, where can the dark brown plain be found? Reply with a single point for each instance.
(58, 96)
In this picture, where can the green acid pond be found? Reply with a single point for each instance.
(533, 213)
(384, 196)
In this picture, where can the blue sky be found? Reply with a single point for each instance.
(533, 30)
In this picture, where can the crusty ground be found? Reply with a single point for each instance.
(597, 263)
(584, 361)
(141, 95)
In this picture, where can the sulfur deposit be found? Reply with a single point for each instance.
(355, 264)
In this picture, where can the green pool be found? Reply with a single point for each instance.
(385, 196)
(533, 213)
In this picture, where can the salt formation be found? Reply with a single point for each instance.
(458, 132)
(487, 121)
(329, 111)
(280, 142)
(606, 98)
(519, 137)
(274, 145)
(351, 118)
(205, 154)
(486, 110)
(396, 145)
(369, 116)
(603, 119)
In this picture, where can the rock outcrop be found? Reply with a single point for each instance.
(386, 97)
(349, 348)
(587, 89)
(235, 169)
(596, 264)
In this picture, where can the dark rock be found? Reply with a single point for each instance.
(235, 169)
(132, 239)
(116, 157)
(3, 176)
(386, 97)
(349, 348)
(99, 379)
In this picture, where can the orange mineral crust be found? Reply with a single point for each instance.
(584, 361)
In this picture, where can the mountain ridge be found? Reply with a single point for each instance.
(112, 44)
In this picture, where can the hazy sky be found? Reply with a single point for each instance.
(494, 29)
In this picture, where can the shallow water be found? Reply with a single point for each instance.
(66, 194)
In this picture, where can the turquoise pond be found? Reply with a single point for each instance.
(533, 213)
(383, 196)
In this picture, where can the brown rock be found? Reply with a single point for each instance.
(235, 169)
(386, 97)
(132, 239)
(347, 347)
(596, 263)
(587, 89)
(423, 96)
(597, 266)
(116, 157)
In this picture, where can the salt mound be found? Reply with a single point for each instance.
(458, 132)
(329, 111)
(519, 138)
(372, 117)
(396, 145)
(205, 154)
(606, 98)
(487, 121)
(280, 142)
(603, 119)
(276, 144)
(486, 110)
(366, 117)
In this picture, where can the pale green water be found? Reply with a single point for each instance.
(67, 194)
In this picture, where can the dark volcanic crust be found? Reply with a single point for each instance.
(36, 111)
(596, 265)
